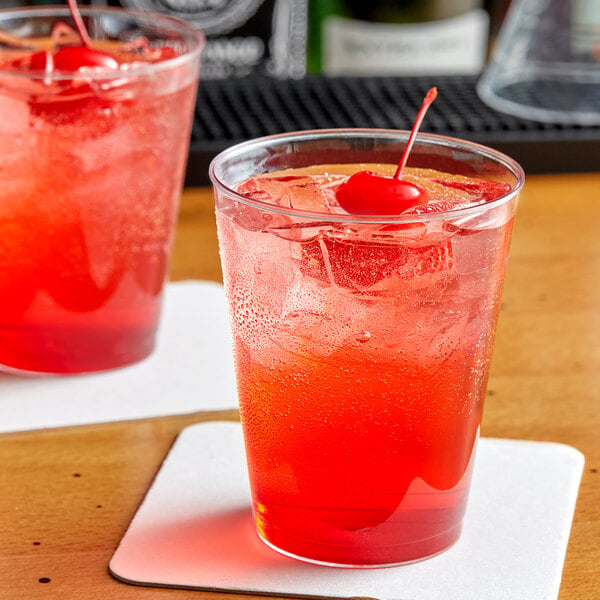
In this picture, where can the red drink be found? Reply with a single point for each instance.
(362, 346)
(92, 169)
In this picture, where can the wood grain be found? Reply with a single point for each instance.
(68, 495)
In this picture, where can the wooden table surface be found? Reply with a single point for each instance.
(67, 495)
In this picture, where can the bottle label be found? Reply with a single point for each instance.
(585, 28)
(243, 37)
(456, 45)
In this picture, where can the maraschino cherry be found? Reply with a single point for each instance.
(73, 58)
(366, 193)
(70, 58)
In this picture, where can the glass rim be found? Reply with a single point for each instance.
(314, 134)
(142, 68)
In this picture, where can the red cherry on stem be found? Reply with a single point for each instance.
(429, 98)
(366, 193)
(72, 58)
(68, 58)
(76, 16)
(39, 61)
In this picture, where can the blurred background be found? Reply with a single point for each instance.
(290, 38)
(271, 66)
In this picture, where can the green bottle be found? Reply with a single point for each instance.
(360, 37)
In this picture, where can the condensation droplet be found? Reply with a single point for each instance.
(363, 336)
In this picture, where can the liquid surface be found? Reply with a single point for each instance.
(361, 354)
(314, 188)
(91, 173)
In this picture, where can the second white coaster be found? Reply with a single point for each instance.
(190, 370)
(194, 529)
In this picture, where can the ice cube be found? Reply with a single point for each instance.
(264, 189)
(314, 193)
(362, 260)
(252, 218)
(306, 194)
(487, 218)
(298, 231)
(448, 191)
(479, 189)
(139, 47)
(432, 182)
(259, 291)
(420, 337)
(475, 250)
(435, 207)
(16, 125)
(285, 191)
(139, 50)
(106, 144)
(18, 144)
(318, 318)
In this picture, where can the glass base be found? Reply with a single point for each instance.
(81, 368)
(42, 351)
(406, 553)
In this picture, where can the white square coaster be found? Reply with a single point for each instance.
(194, 529)
(190, 370)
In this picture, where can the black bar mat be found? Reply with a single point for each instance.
(231, 111)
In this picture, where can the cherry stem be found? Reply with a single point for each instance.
(81, 30)
(429, 98)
